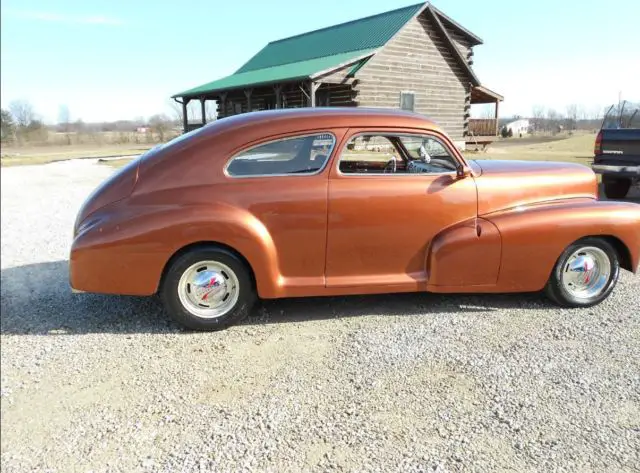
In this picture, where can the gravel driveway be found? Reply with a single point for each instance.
(396, 383)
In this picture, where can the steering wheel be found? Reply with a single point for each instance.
(391, 166)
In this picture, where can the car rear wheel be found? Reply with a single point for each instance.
(616, 188)
(208, 289)
(585, 274)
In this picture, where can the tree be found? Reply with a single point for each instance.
(22, 112)
(572, 116)
(537, 115)
(211, 110)
(64, 118)
(160, 124)
(7, 127)
(176, 111)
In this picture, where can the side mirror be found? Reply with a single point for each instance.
(462, 171)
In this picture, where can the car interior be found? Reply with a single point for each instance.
(390, 154)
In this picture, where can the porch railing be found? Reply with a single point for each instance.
(483, 126)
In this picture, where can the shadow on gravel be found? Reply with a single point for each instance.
(37, 299)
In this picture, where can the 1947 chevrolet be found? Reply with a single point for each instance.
(329, 201)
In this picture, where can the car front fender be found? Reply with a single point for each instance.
(534, 236)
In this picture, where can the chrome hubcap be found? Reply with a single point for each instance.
(586, 273)
(208, 289)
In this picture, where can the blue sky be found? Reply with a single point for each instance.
(121, 59)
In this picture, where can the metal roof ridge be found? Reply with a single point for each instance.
(346, 23)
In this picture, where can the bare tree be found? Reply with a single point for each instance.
(211, 110)
(572, 116)
(582, 112)
(64, 118)
(553, 120)
(537, 114)
(596, 112)
(487, 111)
(176, 111)
(22, 112)
(160, 124)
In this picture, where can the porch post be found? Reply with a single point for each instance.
(185, 119)
(278, 91)
(202, 110)
(313, 87)
(223, 104)
(497, 104)
(247, 94)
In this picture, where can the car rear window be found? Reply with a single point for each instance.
(302, 155)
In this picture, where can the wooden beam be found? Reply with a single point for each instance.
(497, 104)
(247, 94)
(202, 110)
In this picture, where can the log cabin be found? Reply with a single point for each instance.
(413, 58)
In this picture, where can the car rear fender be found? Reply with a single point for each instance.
(534, 236)
(137, 242)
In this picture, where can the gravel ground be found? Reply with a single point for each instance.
(396, 383)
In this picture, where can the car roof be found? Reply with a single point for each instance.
(294, 119)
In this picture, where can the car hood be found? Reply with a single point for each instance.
(507, 184)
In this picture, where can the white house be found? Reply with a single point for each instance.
(518, 127)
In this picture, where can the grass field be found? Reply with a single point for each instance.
(49, 154)
(576, 149)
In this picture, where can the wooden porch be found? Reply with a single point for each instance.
(267, 97)
(481, 132)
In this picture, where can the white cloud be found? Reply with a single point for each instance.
(65, 18)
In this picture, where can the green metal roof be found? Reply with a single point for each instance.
(292, 71)
(304, 55)
(366, 33)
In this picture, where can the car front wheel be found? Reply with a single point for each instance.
(585, 274)
(208, 289)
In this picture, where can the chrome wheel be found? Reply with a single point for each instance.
(208, 289)
(586, 273)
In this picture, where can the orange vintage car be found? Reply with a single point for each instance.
(332, 201)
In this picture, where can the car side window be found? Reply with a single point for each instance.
(396, 154)
(295, 155)
(369, 154)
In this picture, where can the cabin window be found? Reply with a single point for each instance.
(371, 154)
(407, 101)
(299, 155)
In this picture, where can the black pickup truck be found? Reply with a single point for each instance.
(617, 150)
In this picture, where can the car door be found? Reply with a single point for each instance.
(282, 183)
(382, 216)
